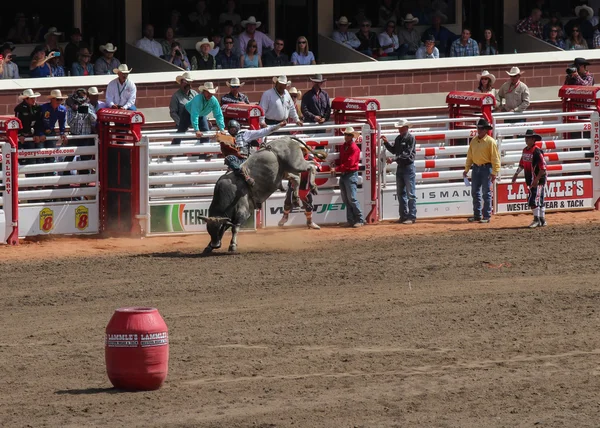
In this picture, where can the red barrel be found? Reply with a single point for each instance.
(137, 349)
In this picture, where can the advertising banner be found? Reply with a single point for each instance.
(184, 218)
(432, 201)
(57, 219)
(562, 194)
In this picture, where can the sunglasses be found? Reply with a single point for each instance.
(252, 46)
(279, 44)
(302, 42)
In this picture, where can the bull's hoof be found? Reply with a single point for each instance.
(232, 248)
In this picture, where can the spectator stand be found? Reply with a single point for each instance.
(120, 132)
(9, 180)
(59, 195)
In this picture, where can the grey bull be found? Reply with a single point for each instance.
(234, 201)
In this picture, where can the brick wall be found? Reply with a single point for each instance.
(356, 85)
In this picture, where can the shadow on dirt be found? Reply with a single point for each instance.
(182, 255)
(89, 391)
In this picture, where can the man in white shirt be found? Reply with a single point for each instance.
(262, 40)
(278, 104)
(121, 92)
(148, 44)
(343, 36)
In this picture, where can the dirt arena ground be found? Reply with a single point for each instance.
(440, 324)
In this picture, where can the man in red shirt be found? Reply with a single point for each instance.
(347, 165)
(534, 164)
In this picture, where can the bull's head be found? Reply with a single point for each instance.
(215, 226)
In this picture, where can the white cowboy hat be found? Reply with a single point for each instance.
(401, 123)
(283, 80)
(410, 18)
(293, 90)
(52, 31)
(318, 78)
(204, 41)
(590, 11)
(343, 21)
(251, 20)
(185, 76)
(109, 47)
(235, 83)
(487, 74)
(56, 94)
(350, 131)
(28, 93)
(122, 69)
(514, 71)
(209, 87)
(94, 91)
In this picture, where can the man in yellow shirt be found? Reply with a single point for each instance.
(484, 158)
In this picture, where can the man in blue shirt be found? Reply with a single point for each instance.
(197, 109)
(52, 112)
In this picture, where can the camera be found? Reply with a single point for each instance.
(571, 70)
(177, 52)
(83, 109)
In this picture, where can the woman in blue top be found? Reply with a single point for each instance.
(251, 59)
(83, 66)
(39, 67)
(302, 56)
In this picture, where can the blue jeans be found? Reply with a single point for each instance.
(481, 182)
(406, 192)
(185, 121)
(348, 187)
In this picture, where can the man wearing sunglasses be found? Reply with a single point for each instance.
(369, 43)
(226, 59)
(276, 57)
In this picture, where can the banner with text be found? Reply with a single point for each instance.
(432, 201)
(184, 218)
(562, 194)
(75, 218)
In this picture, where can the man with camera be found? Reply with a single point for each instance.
(578, 74)
(8, 69)
(178, 57)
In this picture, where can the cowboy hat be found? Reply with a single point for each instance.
(56, 94)
(439, 14)
(235, 83)
(318, 78)
(577, 61)
(109, 47)
(410, 18)
(487, 74)
(530, 133)
(350, 131)
(94, 91)
(294, 91)
(343, 21)
(482, 123)
(402, 123)
(208, 87)
(283, 80)
(185, 76)
(28, 93)
(251, 20)
(514, 71)
(589, 10)
(204, 41)
(122, 69)
(52, 31)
